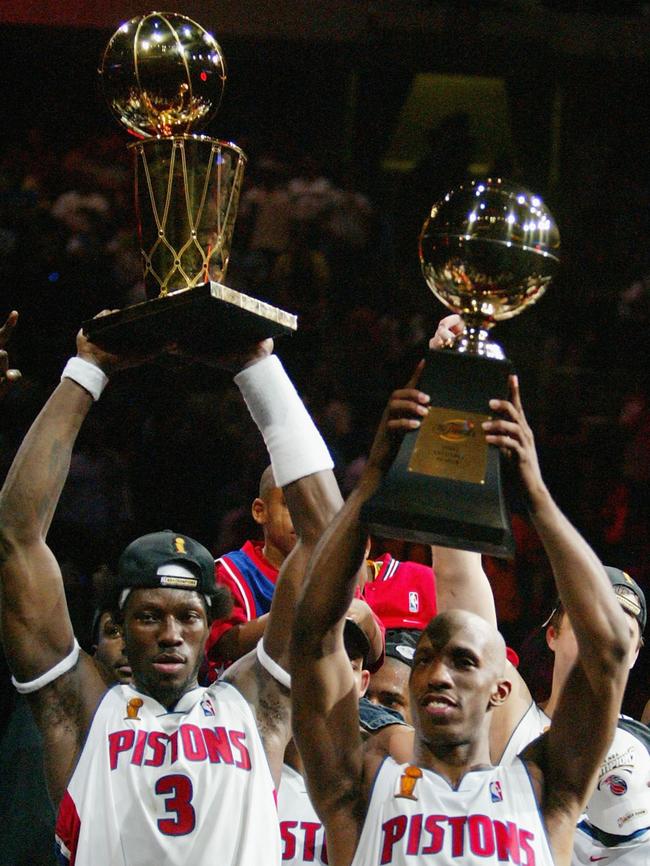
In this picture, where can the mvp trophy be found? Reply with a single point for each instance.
(488, 250)
(163, 77)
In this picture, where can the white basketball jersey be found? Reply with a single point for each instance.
(533, 723)
(191, 786)
(491, 819)
(587, 851)
(303, 836)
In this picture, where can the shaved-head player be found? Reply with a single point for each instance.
(450, 805)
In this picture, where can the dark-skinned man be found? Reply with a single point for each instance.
(450, 806)
(162, 771)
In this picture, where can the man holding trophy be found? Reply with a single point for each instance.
(162, 771)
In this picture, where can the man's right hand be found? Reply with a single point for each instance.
(107, 361)
(448, 329)
(234, 361)
(405, 410)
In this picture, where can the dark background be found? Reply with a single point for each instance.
(172, 447)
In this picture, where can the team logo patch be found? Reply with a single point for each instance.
(456, 429)
(179, 544)
(179, 582)
(407, 783)
(414, 602)
(496, 794)
(132, 709)
(616, 784)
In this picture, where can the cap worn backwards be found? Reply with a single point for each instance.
(628, 592)
(401, 644)
(630, 595)
(167, 560)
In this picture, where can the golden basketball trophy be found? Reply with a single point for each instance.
(488, 250)
(163, 76)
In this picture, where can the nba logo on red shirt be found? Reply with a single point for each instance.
(495, 791)
(414, 602)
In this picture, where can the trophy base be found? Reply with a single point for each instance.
(207, 317)
(445, 485)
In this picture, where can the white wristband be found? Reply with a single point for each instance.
(48, 677)
(271, 666)
(295, 446)
(90, 377)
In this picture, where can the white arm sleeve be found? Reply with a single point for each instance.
(295, 446)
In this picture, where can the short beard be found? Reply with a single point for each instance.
(168, 694)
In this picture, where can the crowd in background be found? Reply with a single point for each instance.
(170, 445)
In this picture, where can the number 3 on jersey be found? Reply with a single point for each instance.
(180, 787)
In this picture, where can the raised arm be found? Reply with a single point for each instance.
(324, 700)
(565, 760)
(461, 582)
(36, 629)
(303, 468)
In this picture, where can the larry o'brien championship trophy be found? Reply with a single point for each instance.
(488, 250)
(163, 77)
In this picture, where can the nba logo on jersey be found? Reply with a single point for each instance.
(414, 602)
(495, 791)
(208, 707)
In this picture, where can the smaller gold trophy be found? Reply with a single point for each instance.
(488, 250)
(163, 77)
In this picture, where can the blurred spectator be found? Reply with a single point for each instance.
(312, 194)
(263, 221)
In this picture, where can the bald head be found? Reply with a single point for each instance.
(456, 680)
(267, 483)
(270, 511)
(470, 629)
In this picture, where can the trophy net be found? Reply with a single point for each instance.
(187, 192)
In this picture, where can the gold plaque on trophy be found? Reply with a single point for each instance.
(163, 77)
(451, 444)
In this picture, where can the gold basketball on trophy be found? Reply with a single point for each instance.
(488, 250)
(163, 74)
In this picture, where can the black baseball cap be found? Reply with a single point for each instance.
(139, 564)
(632, 600)
(630, 595)
(401, 644)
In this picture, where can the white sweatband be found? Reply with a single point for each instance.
(48, 677)
(90, 377)
(272, 667)
(295, 446)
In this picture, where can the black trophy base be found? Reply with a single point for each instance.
(207, 317)
(445, 485)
